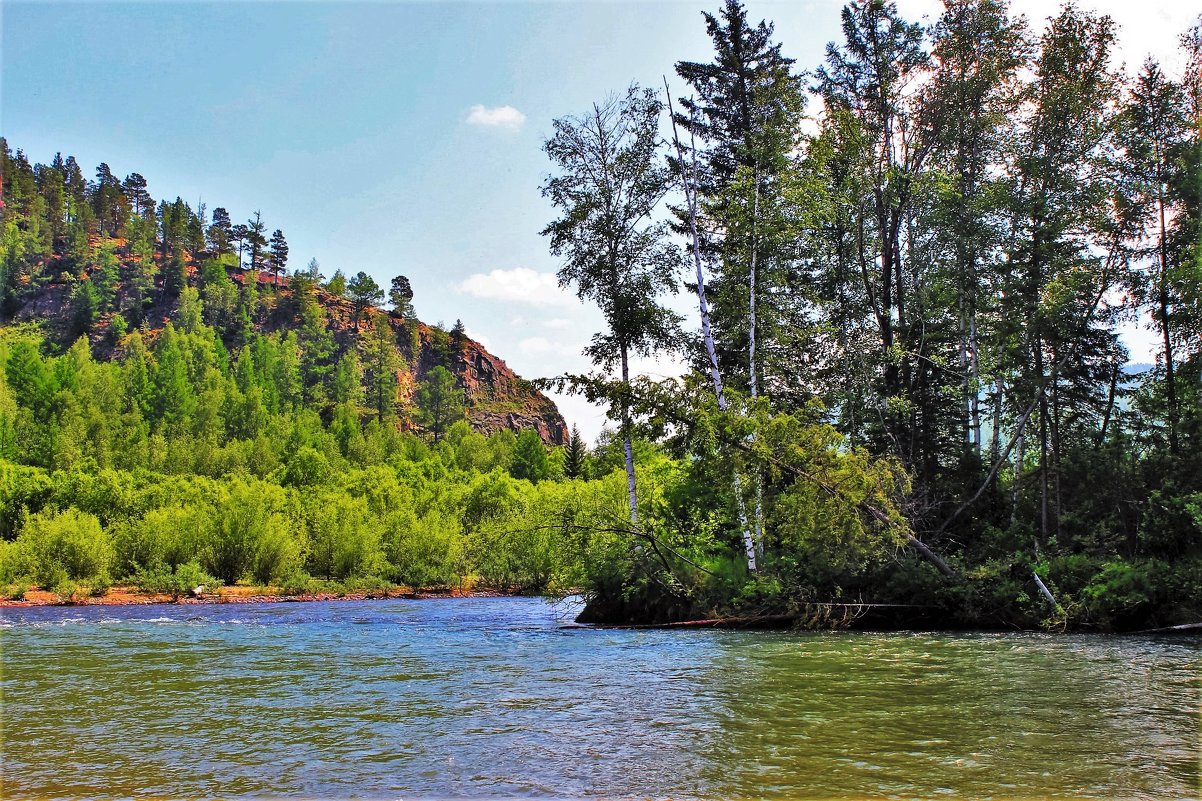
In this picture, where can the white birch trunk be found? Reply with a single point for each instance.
(1045, 592)
(628, 448)
(975, 395)
(706, 330)
(751, 358)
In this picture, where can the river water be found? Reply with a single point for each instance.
(480, 698)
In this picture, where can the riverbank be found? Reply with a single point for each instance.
(133, 596)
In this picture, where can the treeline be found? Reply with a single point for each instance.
(935, 262)
(180, 464)
(101, 261)
(412, 515)
(54, 216)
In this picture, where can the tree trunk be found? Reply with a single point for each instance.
(1110, 395)
(753, 382)
(706, 329)
(626, 443)
(1020, 456)
(975, 375)
(1170, 381)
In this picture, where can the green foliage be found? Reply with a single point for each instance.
(439, 401)
(176, 581)
(248, 534)
(344, 538)
(574, 464)
(423, 552)
(363, 291)
(530, 461)
(67, 545)
(23, 490)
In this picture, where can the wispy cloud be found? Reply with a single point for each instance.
(477, 336)
(541, 345)
(505, 117)
(519, 285)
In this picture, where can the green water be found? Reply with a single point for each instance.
(482, 698)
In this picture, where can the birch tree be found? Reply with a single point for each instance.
(615, 253)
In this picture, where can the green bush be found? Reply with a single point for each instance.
(1123, 591)
(176, 581)
(23, 490)
(165, 537)
(421, 552)
(277, 552)
(298, 582)
(245, 534)
(66, 545)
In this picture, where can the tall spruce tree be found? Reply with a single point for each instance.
(746, 116)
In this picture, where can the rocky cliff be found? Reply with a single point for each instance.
(496, 398)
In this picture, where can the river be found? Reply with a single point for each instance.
(480, 698)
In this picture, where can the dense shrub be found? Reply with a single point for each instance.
(66, 545)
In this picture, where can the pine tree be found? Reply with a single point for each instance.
(135, 190)
(363, 292)
(458, 338)
(439, 402)
(237, 236)
(401, 297)
(1153, 132)
(382, 361)
(220, 233)
(256, 240)
(746, 116)
(277, 260)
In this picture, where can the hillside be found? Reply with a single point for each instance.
(495, 397)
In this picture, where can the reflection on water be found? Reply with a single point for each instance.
(487, 698)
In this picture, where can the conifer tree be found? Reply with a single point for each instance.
(221, 232)
(363, 292)
(746, 116)
(135, 189)
(574, 458)
(256, 240)
(277, 260)
(401, 297)
(382, 361)
(439, 402)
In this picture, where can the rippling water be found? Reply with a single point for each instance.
(488, 698)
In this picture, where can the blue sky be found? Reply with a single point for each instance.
(389, 137)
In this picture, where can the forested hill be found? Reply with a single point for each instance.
(100, 259)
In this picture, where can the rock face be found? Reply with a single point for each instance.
(496, 398)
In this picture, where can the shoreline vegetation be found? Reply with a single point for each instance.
(910, 387)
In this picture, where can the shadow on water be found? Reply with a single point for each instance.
(488, 697)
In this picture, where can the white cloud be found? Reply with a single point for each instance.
(539, 345)
(481, 338)
(519, 285)
(557, 323)
(504, 117)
